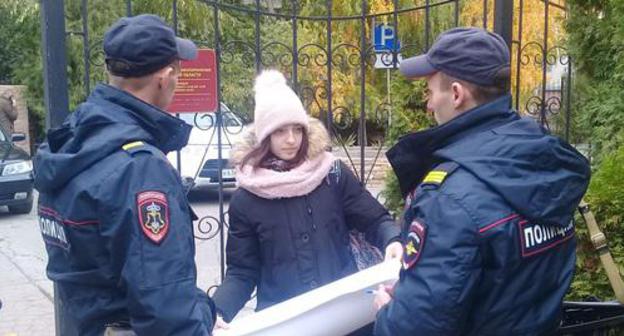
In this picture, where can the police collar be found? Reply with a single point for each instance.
(413, 155)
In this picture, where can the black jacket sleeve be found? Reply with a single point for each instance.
(364, 213)
(243, 265)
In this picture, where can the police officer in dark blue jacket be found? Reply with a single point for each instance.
(489, 245)
(112, 211)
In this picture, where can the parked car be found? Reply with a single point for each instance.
(16, 176)
(199, 160)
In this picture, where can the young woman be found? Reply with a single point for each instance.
(296, 203)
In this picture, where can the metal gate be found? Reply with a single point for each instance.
(333, 70)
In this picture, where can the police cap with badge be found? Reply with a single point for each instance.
(140, 45)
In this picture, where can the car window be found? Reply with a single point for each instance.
(3, 138)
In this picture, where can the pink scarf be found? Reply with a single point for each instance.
(299, 181)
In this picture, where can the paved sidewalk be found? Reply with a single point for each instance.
(26, 294)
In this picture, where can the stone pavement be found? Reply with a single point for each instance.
(25, 292)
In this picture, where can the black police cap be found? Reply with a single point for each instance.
(472, 54)
(143, 44)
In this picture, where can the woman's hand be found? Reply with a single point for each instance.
(394, 251)
(383, 295)
(220, 324)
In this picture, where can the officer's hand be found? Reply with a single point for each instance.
(394, 251)
(220, 324)
(383, 295)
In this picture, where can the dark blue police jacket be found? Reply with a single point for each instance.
(116, 221)
(488, 232)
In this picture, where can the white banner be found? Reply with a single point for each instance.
(337, 308)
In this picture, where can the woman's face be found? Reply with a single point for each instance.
(286, 141)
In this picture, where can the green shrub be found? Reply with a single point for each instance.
(409, 115)
(606, 198)
(596, 46)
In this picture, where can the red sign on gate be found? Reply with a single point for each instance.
(197, 85)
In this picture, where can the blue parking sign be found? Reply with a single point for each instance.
(385, 38)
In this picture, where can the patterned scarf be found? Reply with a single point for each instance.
(274, 163)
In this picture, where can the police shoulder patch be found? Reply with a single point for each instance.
(440, 173)
(414, 244)
(135, 147)
(153, 210)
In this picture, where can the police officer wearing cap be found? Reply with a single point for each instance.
(113, 213)
(488, 233)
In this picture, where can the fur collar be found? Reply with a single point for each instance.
(299, 181)
(318, 143)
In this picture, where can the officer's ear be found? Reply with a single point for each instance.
(459, 94)
(168, 74)
(163, 77)
(462, 96)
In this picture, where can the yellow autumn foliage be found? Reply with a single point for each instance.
(528, 35)
(529, 27)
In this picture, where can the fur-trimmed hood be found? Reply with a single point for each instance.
(299, 181)
(318, 142)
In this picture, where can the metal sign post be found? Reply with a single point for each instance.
(387, 47)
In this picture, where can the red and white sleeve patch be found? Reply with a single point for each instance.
(414, 244)
(153, 210)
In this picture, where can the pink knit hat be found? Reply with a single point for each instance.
(276, 105)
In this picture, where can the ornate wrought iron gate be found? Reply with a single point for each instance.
(321, 65)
